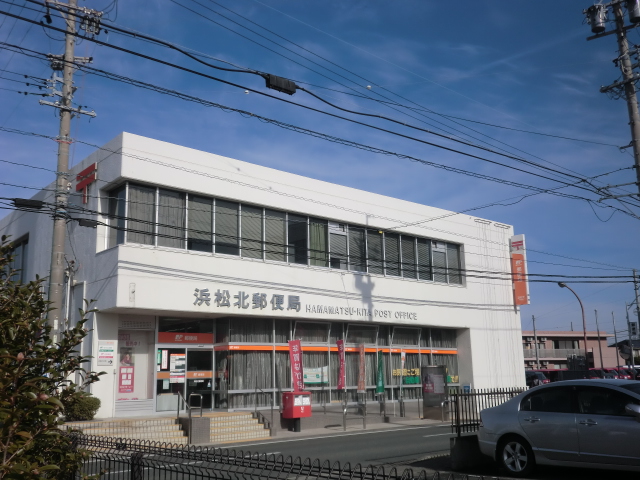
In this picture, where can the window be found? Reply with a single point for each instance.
(311, 332)
(200, 233)
(408, 257)
(357, 251)
(251, 222)
(405, 336)
(374, 244)
(318, 252)
(117, 213)
(297, 232)
(424, 259)
(565, 344)
(392, 254)
(171, 213)
(453, 264)
(603, 401)
(274, 222)
(141, 215)
(361, 334)
(18, 262)
(227, 227)
(439, 254)
(338, 245)
(556, 400)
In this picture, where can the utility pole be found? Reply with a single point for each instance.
(535, 341)
(599, 343)
(615, 337)
(63, 182)
(597, 18)
(631, 359)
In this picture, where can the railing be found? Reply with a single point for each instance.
(128, 459)
(189, 408)
(261, 417)
(553, 352)
(467, 406)
(359, 408)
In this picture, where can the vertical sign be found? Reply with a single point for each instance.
(341, 379)
(380, 379)
(106, 353)
(518, 252)
(361, 370)
(295, 357)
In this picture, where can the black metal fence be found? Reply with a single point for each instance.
(127, 459)
(466, 407)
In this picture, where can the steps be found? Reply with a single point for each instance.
(235, 427)
(162, 429)
(225, 427)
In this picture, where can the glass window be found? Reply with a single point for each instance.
(556, 400)
(336, 332)
(171, 219)
(297, 236)
(405, 336)
(274, 235)
(200, 360)
(453, 264)
(18, 262)
(311, 332)
(141, 215)
(392, 254)
(338, 245)
(251, 222)
(443, 338)
(408, 257)
(186, 325)
(361, 334)
(117, 215)
(318, 231)
(374, 245)
(282, 331)
(200, 233)
(357, 252)
(603, 401)
(251, 330)
(439, 256)
(424, 259)
(227, 227)
(222, 330)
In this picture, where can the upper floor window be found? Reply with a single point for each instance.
(17, 267)
(167, 218)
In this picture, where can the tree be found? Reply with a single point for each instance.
(36, 381)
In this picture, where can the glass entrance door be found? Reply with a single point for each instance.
(200, 376)
(170, 377)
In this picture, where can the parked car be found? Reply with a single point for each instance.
(633, 372)
(534, 378)
(598, 373)
(613, 372)
(573, 423)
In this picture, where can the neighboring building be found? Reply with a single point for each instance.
(554, 347)
(203, 267)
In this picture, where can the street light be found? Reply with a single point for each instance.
(584, 322)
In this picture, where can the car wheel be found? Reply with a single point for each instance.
(515, 456)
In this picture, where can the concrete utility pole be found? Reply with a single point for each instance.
(63, 182)
(599, 343)
(631, 359)
(597, 18)
(535, 341)
(615, 337)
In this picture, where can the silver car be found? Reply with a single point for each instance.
(574, 423)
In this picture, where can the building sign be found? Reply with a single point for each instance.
(172, 337)
(125, 384)
(405, 372)
(361, 370)
(361, 312)
(316, 375)
(519, 270)
(295, 357)
(85, 178)
(341, 376)
(106, 353)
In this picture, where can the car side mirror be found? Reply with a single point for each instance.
(634, 410)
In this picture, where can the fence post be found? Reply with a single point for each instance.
(457, 397)
(136, 468)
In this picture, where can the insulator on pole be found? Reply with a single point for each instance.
(633, 8)
(597, 17)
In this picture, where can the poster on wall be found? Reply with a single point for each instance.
(295, 356)
(125, 377)
(106, 353)
(341, 379)
(316, 375)
(177, 364)
(361, 370)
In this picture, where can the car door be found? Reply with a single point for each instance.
(548, 418)
(606, 434)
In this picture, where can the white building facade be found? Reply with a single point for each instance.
(203, 267)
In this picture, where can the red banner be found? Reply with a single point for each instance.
(361, 371)
(295, 356)
(341, 379)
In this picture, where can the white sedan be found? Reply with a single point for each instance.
(575, 423)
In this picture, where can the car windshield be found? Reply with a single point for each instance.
(634, 387)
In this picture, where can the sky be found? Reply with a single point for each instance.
(485, 73)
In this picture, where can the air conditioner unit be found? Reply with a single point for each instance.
(543, 339)
(529, 339)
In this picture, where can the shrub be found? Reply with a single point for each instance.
(82, 407)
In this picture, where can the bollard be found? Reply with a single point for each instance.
(401, 407)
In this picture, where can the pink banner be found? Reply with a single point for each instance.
(295, 356)
(341, 379)
(361, 371)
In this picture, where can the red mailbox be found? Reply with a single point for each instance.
(296, 404)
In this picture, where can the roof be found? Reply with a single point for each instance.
(572, 334)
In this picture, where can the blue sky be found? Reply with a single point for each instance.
(522, 65)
